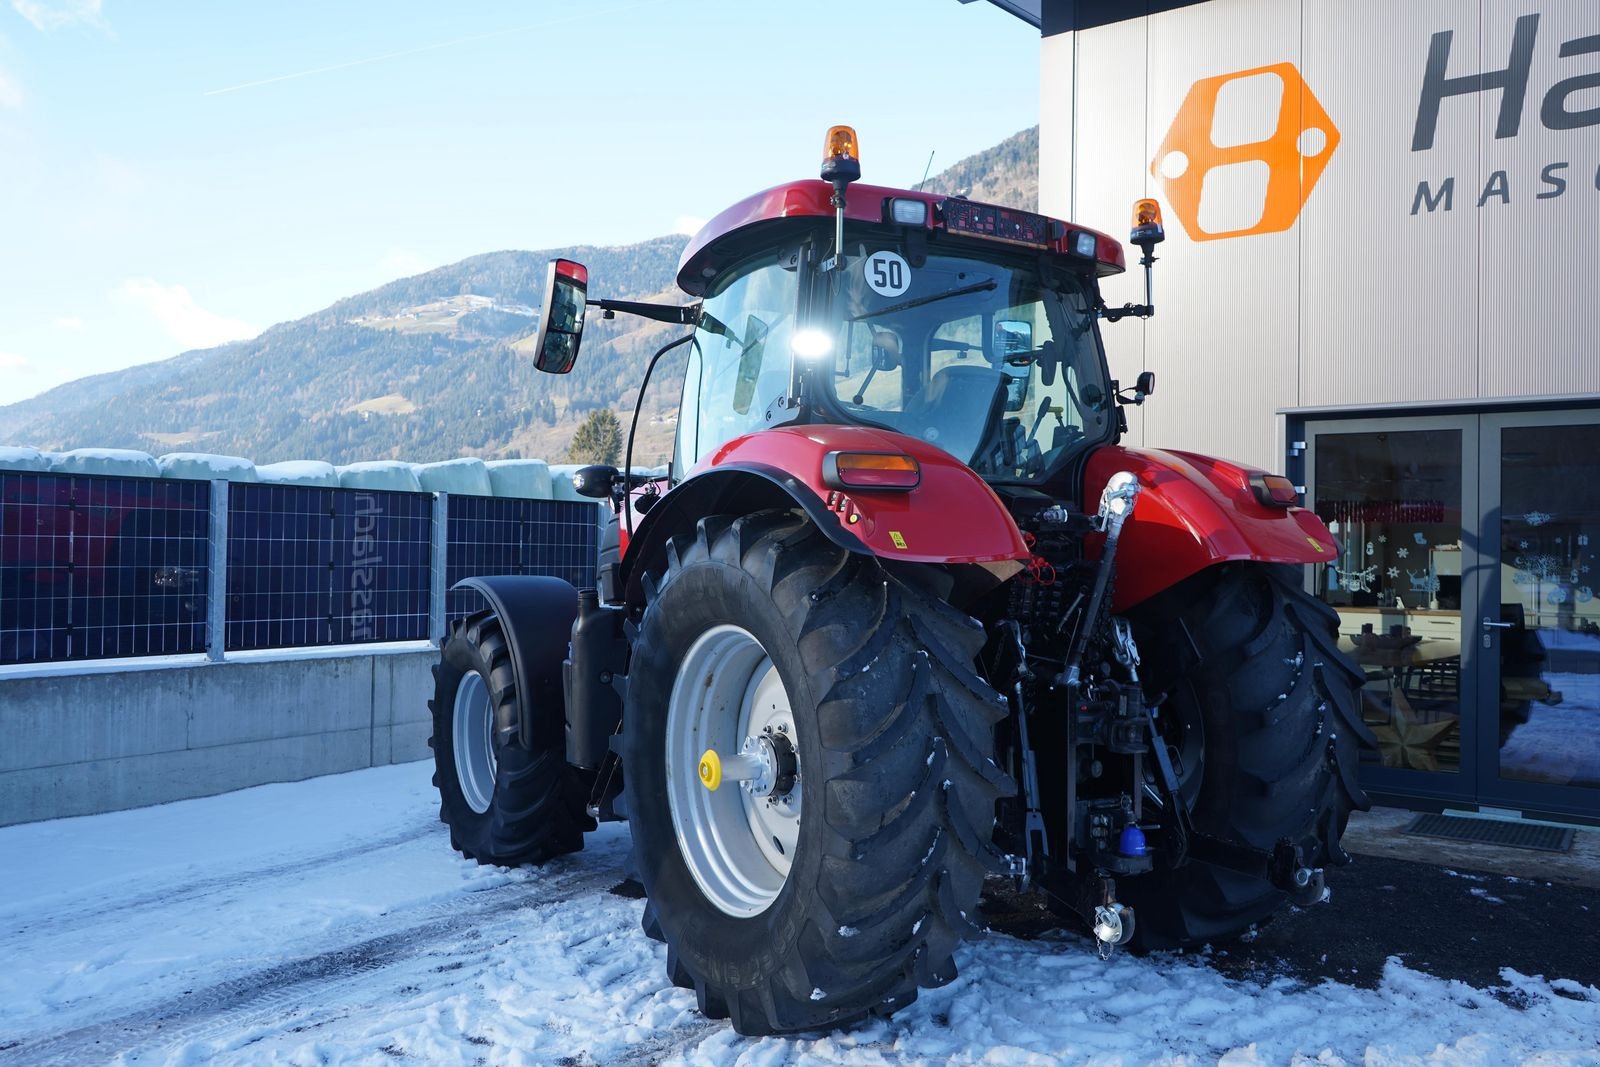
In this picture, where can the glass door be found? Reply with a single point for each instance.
(1538, 620)
(1401, 496)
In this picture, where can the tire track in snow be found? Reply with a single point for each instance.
(215, 1011)
(186, 892)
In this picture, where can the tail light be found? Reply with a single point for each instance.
(870, 470)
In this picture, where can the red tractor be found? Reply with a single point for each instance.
(905, 616)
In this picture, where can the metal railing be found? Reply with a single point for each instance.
(106, 567)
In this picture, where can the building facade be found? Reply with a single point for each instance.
(1381, 277)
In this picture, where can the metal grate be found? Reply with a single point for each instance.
(1493, 832)
(315, 566)
(100, 567)
(501, 535)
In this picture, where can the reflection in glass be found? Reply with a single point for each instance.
(1549, 565)
(1393, 500)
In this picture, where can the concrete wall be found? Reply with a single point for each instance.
(81, 743)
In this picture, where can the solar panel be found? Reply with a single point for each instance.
(100, 567)
(502, 535)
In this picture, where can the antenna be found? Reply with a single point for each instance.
(925, 171)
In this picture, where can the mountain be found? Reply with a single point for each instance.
(428, 367)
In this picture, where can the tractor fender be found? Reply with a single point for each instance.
(951, 516)
(1194, 511)
(536, 614)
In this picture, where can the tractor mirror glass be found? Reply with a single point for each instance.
(566, 292)
(1145, 385)
(1012, 337)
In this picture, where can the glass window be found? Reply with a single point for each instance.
(740, 356)
(1393, 500)
(980, 358)
(1549, 641)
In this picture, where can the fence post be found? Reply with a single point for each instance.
(437, 592)
(217, 583)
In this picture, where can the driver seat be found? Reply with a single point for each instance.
(957, 408)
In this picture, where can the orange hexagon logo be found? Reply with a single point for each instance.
(1244, 153)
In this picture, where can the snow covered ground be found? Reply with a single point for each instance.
(328, 922)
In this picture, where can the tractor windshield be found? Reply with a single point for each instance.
(979, 357)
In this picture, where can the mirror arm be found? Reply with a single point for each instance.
(687, 315)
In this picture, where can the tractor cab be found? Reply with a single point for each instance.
(987, 350)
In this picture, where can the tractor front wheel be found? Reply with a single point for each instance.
(1263, 724)
(505, 804)
(810, 786)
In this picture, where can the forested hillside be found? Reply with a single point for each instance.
(425, 368)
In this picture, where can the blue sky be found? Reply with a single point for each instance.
(176, 174)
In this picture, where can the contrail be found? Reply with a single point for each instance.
(430, 47)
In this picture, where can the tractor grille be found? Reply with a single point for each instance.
(1493, 832)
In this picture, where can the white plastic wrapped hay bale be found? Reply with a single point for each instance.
(528, 479)
(203, 466)
(561, 482)
(22, 458)
(389, 475)
(298, 472)
(106, 462)
(468, 476)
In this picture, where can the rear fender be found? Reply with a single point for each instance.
(1194, 511)
(536, 614)
(950, 517)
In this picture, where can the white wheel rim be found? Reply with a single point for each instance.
(472, 739)
(738, 846)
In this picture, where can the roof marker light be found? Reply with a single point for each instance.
(1085, 244)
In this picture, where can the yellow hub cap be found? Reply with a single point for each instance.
(711, 769)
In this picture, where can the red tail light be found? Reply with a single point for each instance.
(870, 470)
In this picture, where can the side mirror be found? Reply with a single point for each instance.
(1012, 337)
(566, 293)
(595, 481)
(1145, 384)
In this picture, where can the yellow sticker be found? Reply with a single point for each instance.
(899, 542)
(1314, 542)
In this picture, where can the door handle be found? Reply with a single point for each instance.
(1490, 624)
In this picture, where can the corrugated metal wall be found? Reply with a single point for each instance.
(1369, 297)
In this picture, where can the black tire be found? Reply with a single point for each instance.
(1264, 701)
(895, 737)
(539, 805)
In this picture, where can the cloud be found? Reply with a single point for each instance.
(10, 93)
(70, 323)
(403, 262)
(10, 361)
(687, 224)
(47, 15)
(186, 322)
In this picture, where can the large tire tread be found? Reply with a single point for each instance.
(1281, 710)
(539, 809)
(907, 806)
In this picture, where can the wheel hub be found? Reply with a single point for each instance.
(472, 741)
(729, 720)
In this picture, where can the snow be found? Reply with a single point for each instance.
(328, 921)
(298, 472)
(380, 474)
(207, 467)
(526, 478)
(115, 462)
(22, 458)
(467, 475)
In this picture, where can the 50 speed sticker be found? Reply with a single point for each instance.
(888, 274)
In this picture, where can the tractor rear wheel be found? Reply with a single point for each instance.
(809, 776)
(505, 804)
(1263, 722)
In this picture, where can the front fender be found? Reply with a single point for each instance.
(952, 516)
(1194, 511)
